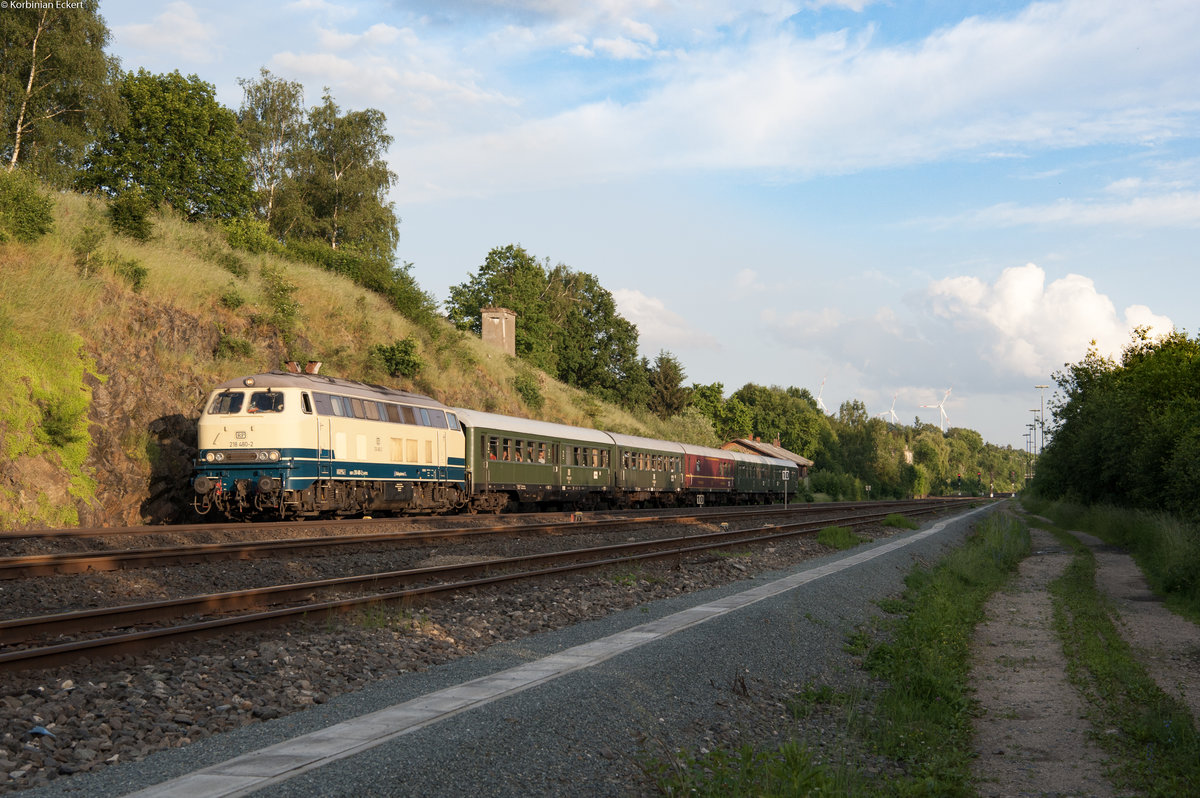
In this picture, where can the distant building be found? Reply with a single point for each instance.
(499, 328)
(756, 446)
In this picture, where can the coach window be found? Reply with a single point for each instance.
(493, 448)
(517, 452)
(604, 462)
(506, 453)
(541, 452)
(227, 403)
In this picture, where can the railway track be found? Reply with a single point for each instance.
(25, 639)
(111, 559)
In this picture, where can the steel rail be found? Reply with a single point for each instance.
(33, 565)
(21, 630)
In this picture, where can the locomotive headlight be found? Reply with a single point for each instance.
(210, 457)
(219, 456)
(273, 456)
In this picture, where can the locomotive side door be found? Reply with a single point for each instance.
(324, 447)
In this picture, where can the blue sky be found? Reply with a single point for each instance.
(894, 197)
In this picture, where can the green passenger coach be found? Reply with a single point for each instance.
(513, 462)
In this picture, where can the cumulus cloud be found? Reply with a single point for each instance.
(1028, 328)
(658, 327)
(177, 29)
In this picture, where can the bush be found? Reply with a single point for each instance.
(230, 346)
(399, 359)
(61, 419)
(250, 235)
(129, 215)
(26, 214)
(231, 298)
(86, 248)
(280, 296)
(133, 271)
(530, 392)
(233, 263)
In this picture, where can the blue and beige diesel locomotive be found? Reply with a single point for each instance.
(284, 444)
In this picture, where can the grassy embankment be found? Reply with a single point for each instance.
(82, 293)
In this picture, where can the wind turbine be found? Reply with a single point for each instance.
(821, 404)
(941, 406)
(892, 411)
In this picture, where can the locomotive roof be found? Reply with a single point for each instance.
(319, 382)
(526, 426)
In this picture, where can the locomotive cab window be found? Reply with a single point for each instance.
(227, 403)
(306, 403)
(265, 402)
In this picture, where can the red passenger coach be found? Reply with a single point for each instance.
(707, 470)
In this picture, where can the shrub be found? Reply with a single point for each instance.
(399, 359)
(86, 246)
(26, 214)
(230, 346)
(231, 298)
(133, 271)
(250, 235)
(279, 295)
(129, 214)
(61, 420)
(526, 385)
(233, 263)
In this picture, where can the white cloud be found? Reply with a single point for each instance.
(1053, 76)
(1176, 209)
(1028, 328)
(658, 327)
(178, 30)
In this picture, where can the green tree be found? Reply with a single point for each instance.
(338, 191)
(567, 322)
(1127, 432)
(271, 121)
(512, 278)
(595, 347)
(668, 395)
(56, 86)
(177, 144)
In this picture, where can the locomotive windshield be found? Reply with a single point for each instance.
(227, 403)
(266, 402)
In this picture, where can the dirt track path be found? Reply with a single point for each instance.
(1032, 738)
